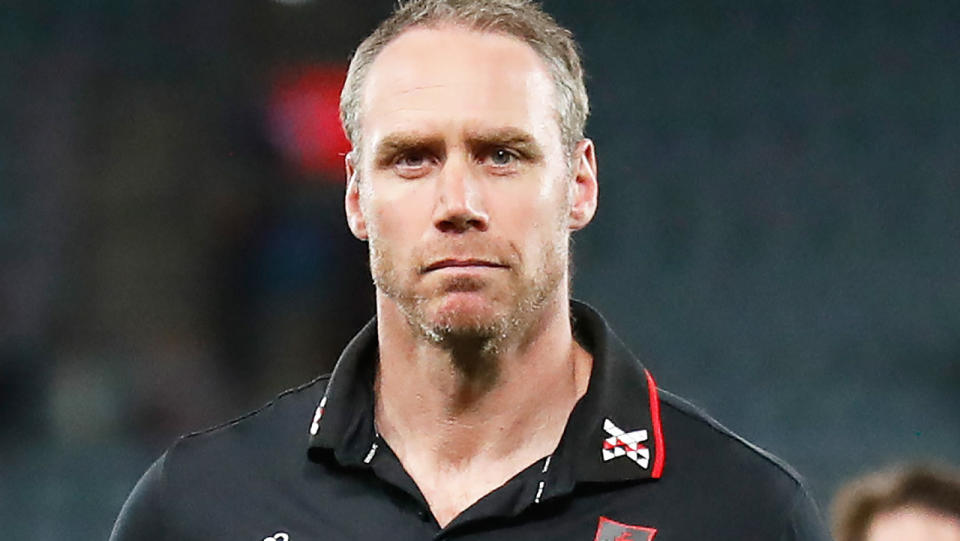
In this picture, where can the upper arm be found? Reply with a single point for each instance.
(141, 517)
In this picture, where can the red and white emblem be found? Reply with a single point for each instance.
(611, 530)
(626, 444)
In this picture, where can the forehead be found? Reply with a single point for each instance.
(450, 77)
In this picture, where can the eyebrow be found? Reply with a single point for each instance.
(514, 138)
(397, 143)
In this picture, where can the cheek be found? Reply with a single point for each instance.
(545, 211)
(396, 227)
(389, 212)
(539, 231)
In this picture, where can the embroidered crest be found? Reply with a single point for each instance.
(611, 530)
(626, 444)
(279, 536)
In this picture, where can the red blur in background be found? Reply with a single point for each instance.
(304, 120)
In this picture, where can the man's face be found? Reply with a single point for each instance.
(462, 187)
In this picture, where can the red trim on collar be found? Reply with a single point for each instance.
(657, 430)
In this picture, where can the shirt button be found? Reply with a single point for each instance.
(424, 516)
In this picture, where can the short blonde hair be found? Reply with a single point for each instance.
(522, 19)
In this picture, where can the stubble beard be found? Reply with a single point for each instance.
(474, 341)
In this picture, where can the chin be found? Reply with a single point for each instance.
(471, 311)
(462, 316)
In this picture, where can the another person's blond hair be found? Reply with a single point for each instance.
(860, 501)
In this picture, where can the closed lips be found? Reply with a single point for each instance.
(447, 263)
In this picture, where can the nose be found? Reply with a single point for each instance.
(459, 205)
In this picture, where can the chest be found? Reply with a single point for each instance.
(448, 492)
(361, 507)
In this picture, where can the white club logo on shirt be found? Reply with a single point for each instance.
(626, 444)
(279, 536)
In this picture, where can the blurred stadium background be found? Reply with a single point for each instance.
(778, 232)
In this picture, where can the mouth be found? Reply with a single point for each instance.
(462, 263)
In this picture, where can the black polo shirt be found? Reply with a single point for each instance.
(634, 463)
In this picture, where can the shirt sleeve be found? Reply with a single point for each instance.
(804, 522)
(141, 517)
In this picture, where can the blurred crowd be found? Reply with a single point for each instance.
(169, 256)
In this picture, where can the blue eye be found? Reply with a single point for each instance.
(411, 160)
(502, 156)
(413, 164)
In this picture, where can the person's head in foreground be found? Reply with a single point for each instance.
(908, 503)
(469, 168)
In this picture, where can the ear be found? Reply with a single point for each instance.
(351, 200)
(583, 203)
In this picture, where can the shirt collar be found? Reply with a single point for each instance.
(613, 433)
(343, 420)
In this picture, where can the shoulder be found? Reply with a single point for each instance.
(693, 432)
(743, 482)
(200, 471)
(279, 428)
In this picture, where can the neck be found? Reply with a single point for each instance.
(468, 404)
(461, 433)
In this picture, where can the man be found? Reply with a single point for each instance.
(911, 503)
(481, 403)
